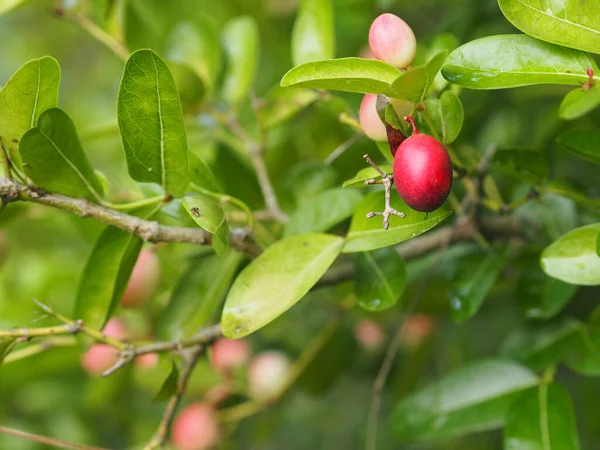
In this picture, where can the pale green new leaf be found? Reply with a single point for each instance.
(313, 36)
(8, 5)
(579, 102)
(208, 214)
(447, 115)
(413, 84)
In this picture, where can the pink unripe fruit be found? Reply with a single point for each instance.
(144, 280)
(101, 357)
(370, 122)
(266, 374)
(228, 354)
(195, 428)
(392, 41)
(416, 329)
(369, 334)
(146, 361)
(218, 393)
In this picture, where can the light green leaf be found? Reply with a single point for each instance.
(325, 210)
(7, 5)
(368, 173)
(573, 258)
(380, 278)
(284, 103)
(541, 296)
(569, 23)
(345, 74)
(198, 295)
(474, 279)
(276, 280)
(208, 214)
(582, 143)
(542, 419)
(579, 102)
(169, 386)
(151, 124)
(474, 398)
(313, 36)
(368, 234)
(189, 85)
(447, 115)
(413, 84)
(6, 345)
(242, 46)
(201, 175)
(26, 95)
(566, 188)
(528, 165)
(506, 61)
(583, 353)
(54, 159)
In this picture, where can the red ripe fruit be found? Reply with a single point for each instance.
(422, 171)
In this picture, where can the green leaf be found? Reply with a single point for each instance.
(151, 123)
(242, 46)
(573, 258)
(447, 115)
(198, 295)
(208, 214)
(189, 85)
(313, 37)
(474, 398)
(583, 353)
(368, 234)
(562, 22)
(6, 345)
(276, 280)
(7, 5)
(541, 296)
(527, 165)
(105, 276)
(368, 173)
(380, 278)
(26, 95)
(197, 45)
(368, 76)
(413, 84)
(566, 188)
(542, 419)
(579, 102)
(582, 143)
(54, 159)
(284, 103)
(475, 276)
(169, 387)
(518, 60)
(201, 175)
(325, 210)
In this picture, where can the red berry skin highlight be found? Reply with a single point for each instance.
(422, 172)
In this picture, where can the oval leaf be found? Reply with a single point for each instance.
(473, 398)
(528, 165)
(573, 257)
(284, 103)
(380, 278)
(276, 280)
(447, 115)
(541, 296)
(368, 173)
(201, 175)
(369, 76)
(542, 418)
(368, 234)
(583, 353)
(582, 143)
(26, 95)
(151, 123)
(241, 42)
(579, 102)
(313, 37)
(413, 84)
(518, 60)
(209, 215)
(54, 159)
(562, 22)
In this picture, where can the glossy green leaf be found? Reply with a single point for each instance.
(368, 234)
(201, 175)
(368, 173)
(325, 210)
(208, 214)
(313, 36)
(447, 115)
(541, 296)
(474, 398)
(475, 276)
(6, 345)
(189, 85)
(151, 123)
(579, 102)
(582, 143)
(413, 84)
(380, 278)
(345, 74)
(573, 258)
(105, 276)
(542, 419)
(284, 103)
(241, 43)
(527, 165)
(276, 280)
(198, 295)
(54, 159)
(572, 24)
(7, 5)
(169, 386)
(518, 60)
(26, 95)
(197, 45)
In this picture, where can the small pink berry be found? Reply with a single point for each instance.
(228, 354)
(116, 328)
(370, 122)
(416, 329)
(392, 41)
(144, 280)
(266, 373)
(99, 358)
(369, 334)
(146, 361)
(195, 428)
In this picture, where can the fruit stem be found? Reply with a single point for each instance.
(412, 123)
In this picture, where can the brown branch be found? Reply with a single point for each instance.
(46, 440)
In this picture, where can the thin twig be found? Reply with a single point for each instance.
(40, 347)
(388, 182)
(102, 36)
(46, 440)
(342, 148)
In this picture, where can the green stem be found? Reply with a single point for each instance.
(133, 205)
(228, 199)
(40, 347)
